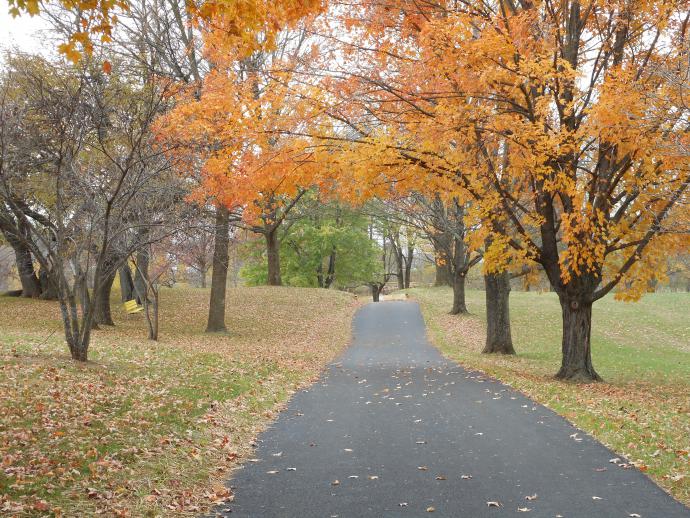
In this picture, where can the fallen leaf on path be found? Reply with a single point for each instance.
(335, 483)
(440, 477)
(373, 477)
(272, 472)
(422, 468)
(615, 460)
(465, 477)
(597, 498)
(430, 509)
(524, 509)
(634, 515)
(493, 504)
(403, 504)
(290, 469)
(531, 497)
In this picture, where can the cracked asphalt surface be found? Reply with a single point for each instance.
(394, 429)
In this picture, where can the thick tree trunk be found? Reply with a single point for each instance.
(103, 314)
(31, 286)
(48, 285)
(219, 277)
(376, 290)
(202, 274)
(459, 305)
(126, 283)
(443, 277)
(498, 336)
(273, 256)
(576, 362)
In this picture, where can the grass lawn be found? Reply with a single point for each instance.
(642, 350)
(146, 428)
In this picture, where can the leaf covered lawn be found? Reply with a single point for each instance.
(642, 350)
(145, 428)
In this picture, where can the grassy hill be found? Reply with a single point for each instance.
(151, 428)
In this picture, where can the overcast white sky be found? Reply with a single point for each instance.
(23, 32)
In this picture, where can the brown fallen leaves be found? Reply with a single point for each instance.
(151, 428)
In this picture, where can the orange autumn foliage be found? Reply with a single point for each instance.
(239, 22)
(243, 123)
(565, 124)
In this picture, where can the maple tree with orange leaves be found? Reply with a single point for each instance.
(563, 122)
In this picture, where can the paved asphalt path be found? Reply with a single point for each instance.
(394, 429)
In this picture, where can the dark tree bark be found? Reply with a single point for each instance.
(103, 314)
(498, 336)
(330, 275)
(319, 276)
(443, 277)
(459, 305)
(376, 289)
(31, 286)
(48, 285)
(219, 278)
(576, 363)
(141, 275)
(408, 264)
(399, 267)
(126, 283)
(273, 256)
(82, 287)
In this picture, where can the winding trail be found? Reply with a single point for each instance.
(405, 432)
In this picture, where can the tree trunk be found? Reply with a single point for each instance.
(82, 287)
(273, 255)
(48, 285)
(126, 283)
(376, 290)
(202, 273)
(219, 277)
(576, 363)
(442, 275)
(141, 275)
(408, 265)
(498, 336)
(330, 275)
(399, 265)
(319, 275)
(151, 312)
(103, 314)
(31, 286)
(459, 305)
